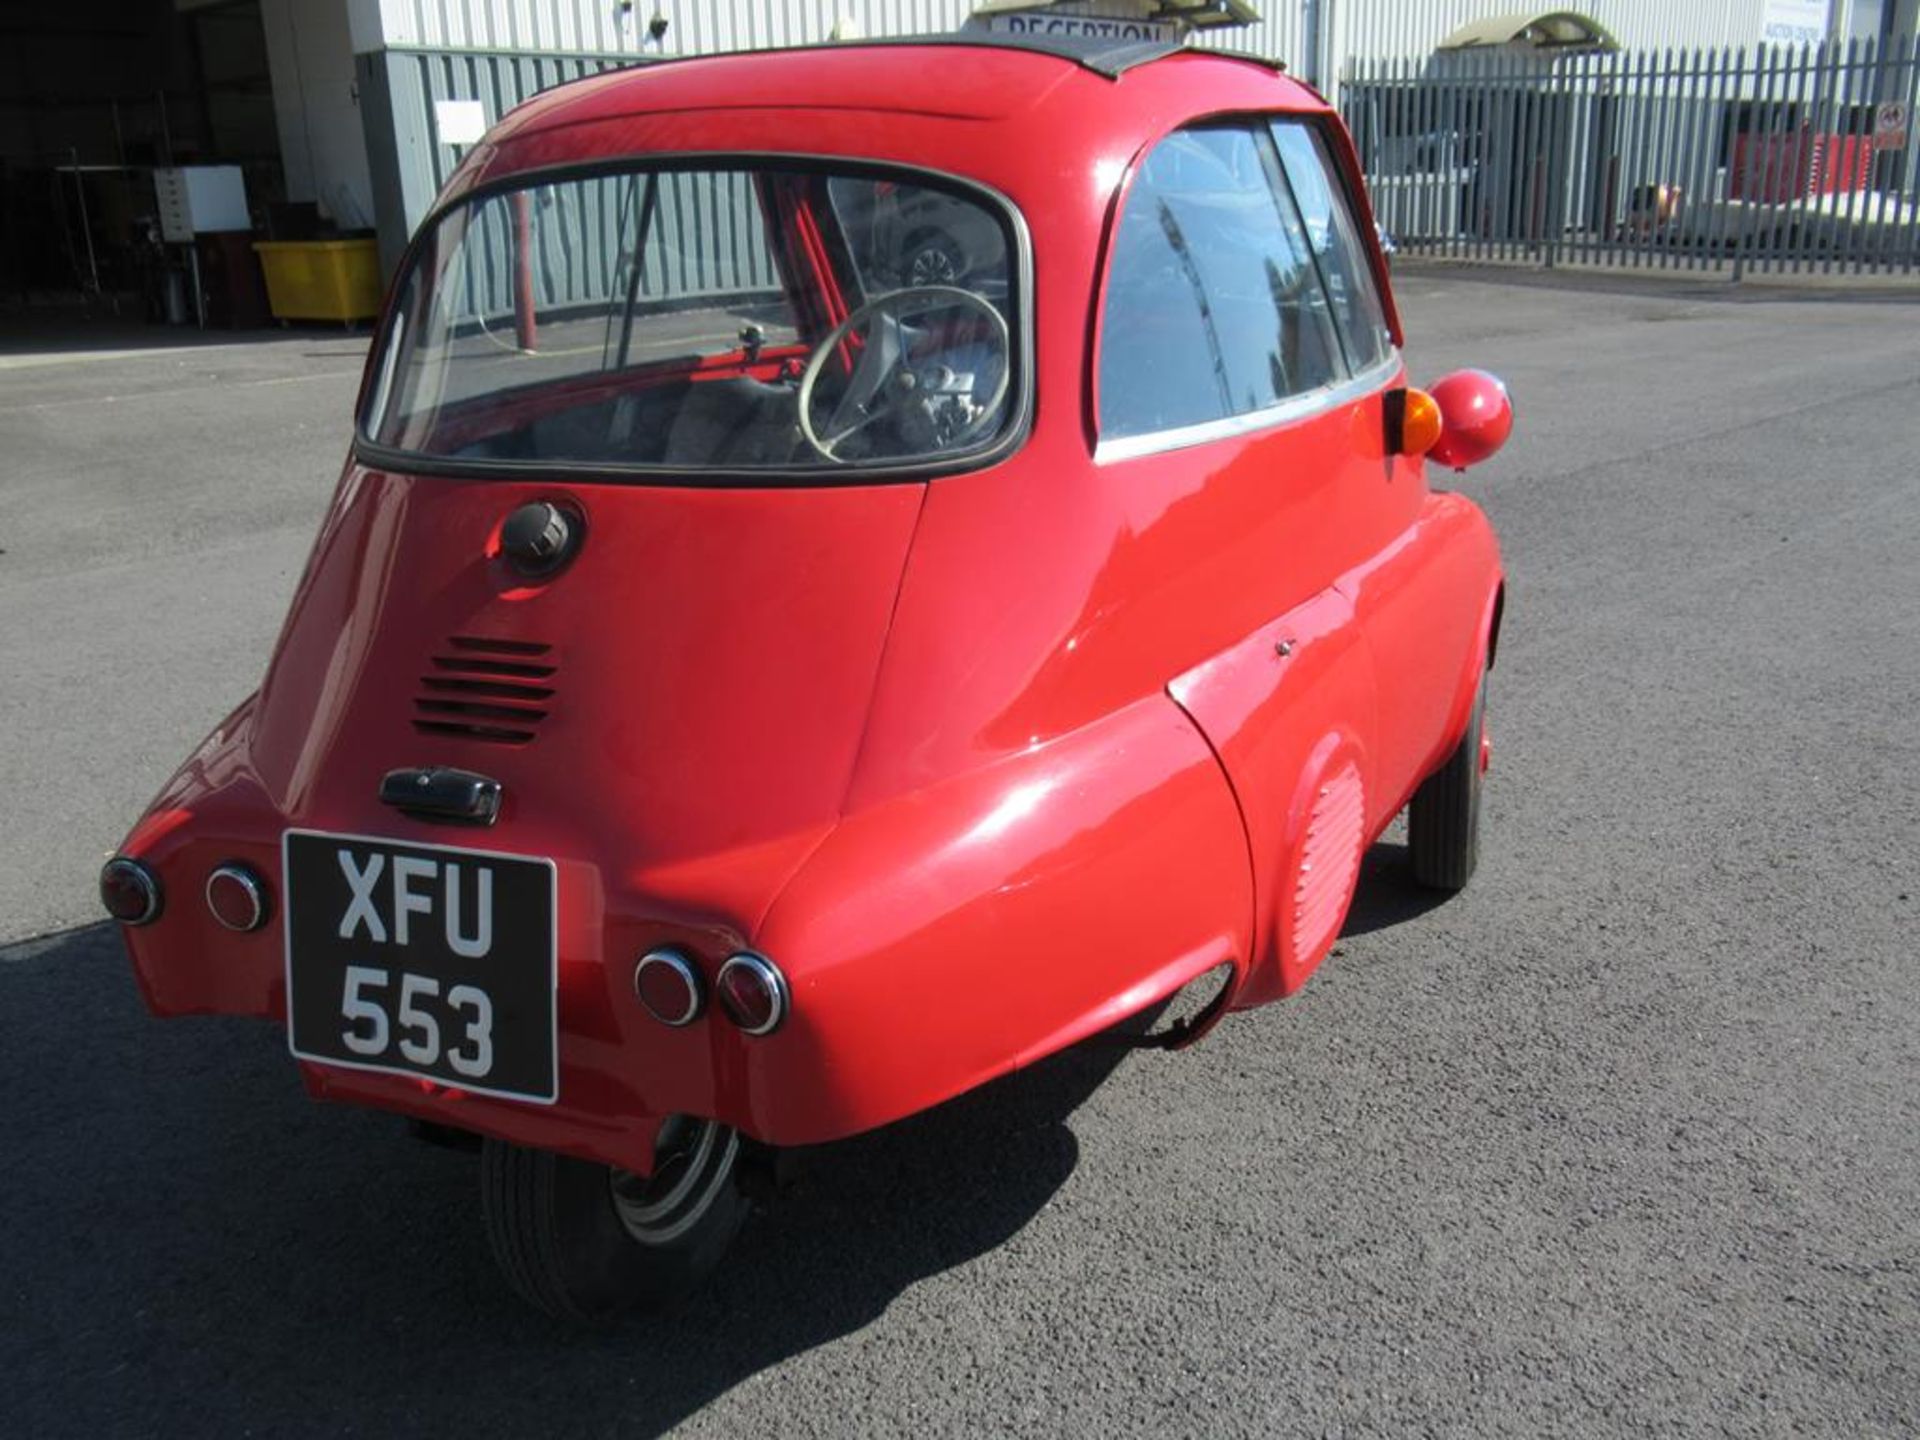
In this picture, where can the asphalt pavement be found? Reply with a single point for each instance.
(1624, 1140)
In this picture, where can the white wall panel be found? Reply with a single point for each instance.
(1280, 35)
(694, 27)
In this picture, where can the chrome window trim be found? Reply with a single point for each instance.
(1251, 422)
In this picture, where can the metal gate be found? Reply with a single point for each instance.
(1766, 161)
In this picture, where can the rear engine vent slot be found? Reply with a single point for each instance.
(493, 690)
(460, 664)
(503, 689)
(497, 733)
(498, 647)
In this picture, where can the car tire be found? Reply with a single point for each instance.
(933, 257)
(1443, 822)
(586, 1243)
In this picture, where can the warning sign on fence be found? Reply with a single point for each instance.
(1890, 125)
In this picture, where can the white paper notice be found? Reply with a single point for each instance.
(459, 122)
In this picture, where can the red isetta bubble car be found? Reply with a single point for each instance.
(859, 568)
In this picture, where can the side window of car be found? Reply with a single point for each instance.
(1214, 305)
(1343, 258)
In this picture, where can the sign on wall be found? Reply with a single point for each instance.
(1794, 22)
(1086, 26)
(459, 122)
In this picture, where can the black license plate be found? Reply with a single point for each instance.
(422, 960)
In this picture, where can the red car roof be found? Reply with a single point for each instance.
(958, 80)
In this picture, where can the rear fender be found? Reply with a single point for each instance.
(206, 815)
(1479, 662)
(949, 935)
(1425, 606)
(1286, 709)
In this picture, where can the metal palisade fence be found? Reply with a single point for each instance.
(1769, 161)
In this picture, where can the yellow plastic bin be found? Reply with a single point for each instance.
(321, 279)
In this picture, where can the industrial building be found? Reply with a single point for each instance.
(339, 118)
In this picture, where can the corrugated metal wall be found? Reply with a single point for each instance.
(398, 89)
(1350, 28)
(575, 25)
(693, 26)
(701, 241)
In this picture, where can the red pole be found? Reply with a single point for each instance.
(525, 331)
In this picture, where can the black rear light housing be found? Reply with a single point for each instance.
(130, 891)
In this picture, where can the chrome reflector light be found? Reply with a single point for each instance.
(130, 891)
(753, 992)
(237, 897)
(669, 986)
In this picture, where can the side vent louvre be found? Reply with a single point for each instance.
(1329, 863)
(493, 690)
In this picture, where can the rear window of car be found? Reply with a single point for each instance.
(1233, 287)
(734, 318)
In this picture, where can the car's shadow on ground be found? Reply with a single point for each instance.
(190, 1242)
(1387, 893)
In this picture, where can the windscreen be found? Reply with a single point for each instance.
(698, 320)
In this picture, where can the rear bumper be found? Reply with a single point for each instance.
(931, 943)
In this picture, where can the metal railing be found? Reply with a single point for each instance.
(1767, 161)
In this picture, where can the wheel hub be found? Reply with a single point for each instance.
(693, 1161)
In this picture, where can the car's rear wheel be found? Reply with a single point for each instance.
(933, 258)
(1443, 822)
(584, 1242)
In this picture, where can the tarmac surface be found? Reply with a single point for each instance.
(1623, 1140)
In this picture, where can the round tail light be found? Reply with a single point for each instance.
(130, 891)
(237, 897)
(753, 992)
(669, 987)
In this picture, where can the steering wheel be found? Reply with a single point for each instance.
(933, 406)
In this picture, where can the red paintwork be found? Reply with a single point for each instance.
(985, 763)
